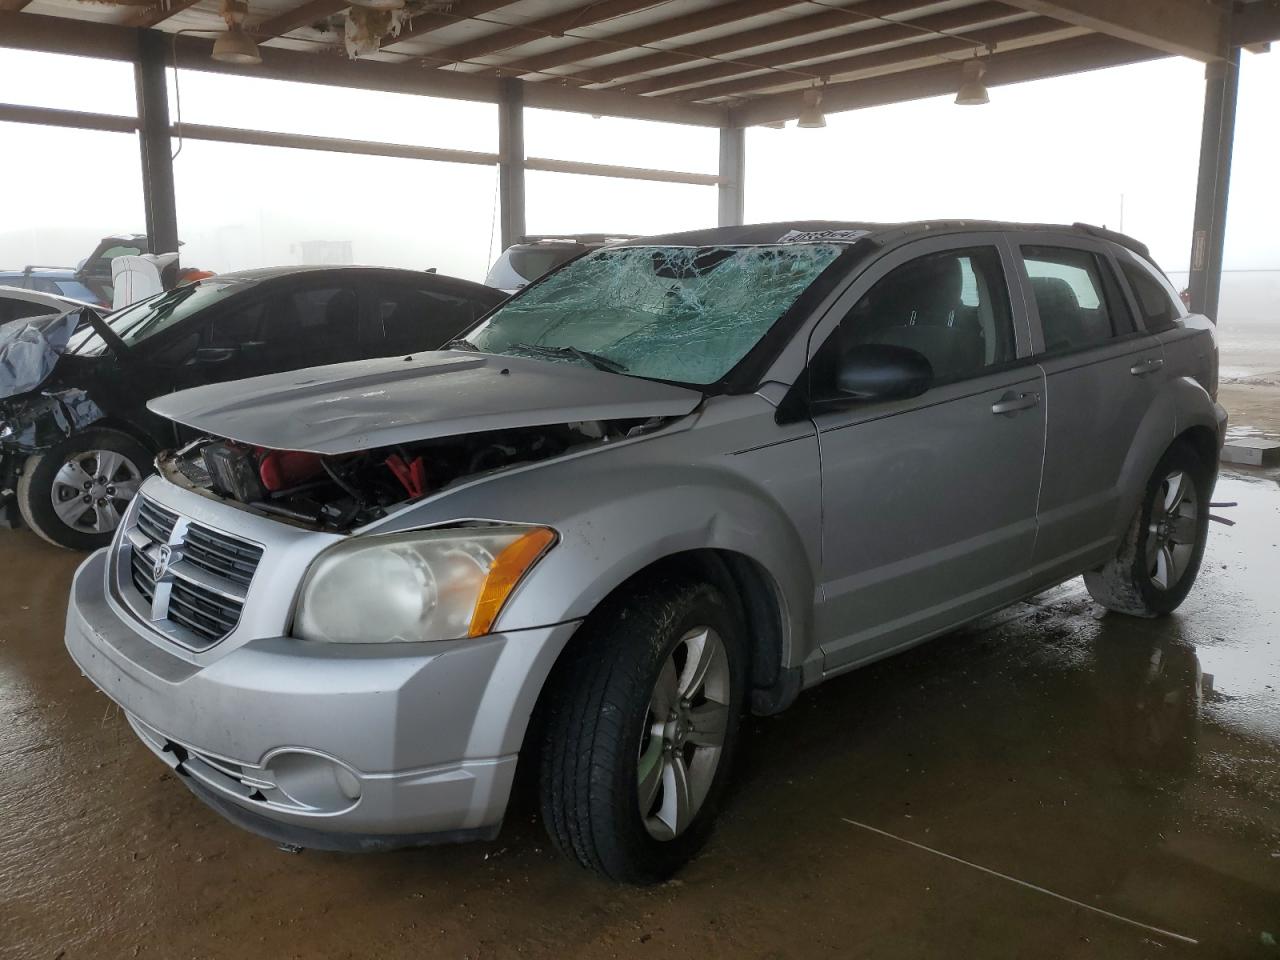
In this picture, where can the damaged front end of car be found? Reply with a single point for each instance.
(341, 492)
(33, 422)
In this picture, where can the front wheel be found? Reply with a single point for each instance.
(641, 731)
(74, 493)
(1156, 565)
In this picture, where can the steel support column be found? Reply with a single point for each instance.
(733, 167)
(153, 137)
(1222, 79)
(511, 161)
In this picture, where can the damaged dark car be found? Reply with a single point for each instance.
(76, 438)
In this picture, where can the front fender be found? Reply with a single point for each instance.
(619, 510)
(649, 515)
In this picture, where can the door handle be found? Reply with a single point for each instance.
(1143, 367)
(1011, 403)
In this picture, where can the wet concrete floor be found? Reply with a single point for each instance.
(1130, 767)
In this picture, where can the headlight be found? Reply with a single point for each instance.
(426, 585)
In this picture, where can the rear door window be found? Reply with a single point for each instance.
(312, 326)
(1071, 294)
(411, 319)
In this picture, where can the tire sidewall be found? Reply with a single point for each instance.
(1177, 458)
(658, 859)
(36, 483)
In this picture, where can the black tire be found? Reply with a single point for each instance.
(1126, 583)
(597, 720)
(36, 486)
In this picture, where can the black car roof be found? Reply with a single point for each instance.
(263, 274)
(754, 233)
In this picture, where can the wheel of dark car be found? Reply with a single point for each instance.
(74, 493)
(1159, 558)
(641, 731)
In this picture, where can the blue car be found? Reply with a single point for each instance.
(59, 281)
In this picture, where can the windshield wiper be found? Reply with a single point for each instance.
(462, 343)
(586, 356)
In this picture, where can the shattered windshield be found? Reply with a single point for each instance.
(687, 314)
(144, 319)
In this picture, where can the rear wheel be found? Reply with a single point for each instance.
(641, 731)
(74, 493)
(1157, 562)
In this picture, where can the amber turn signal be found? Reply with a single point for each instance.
(509, 567)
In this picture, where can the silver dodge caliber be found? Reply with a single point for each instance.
(673, 481)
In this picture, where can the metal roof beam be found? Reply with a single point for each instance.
(1255, 23)
(428, 21)
(1075, 55)
(794, 29)
(27, 31)
(1187, 28)
(518, 34)
(909, 34)
(729, 12)
(1037, 29)
(301, 16)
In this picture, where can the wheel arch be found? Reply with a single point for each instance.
(1182, 413)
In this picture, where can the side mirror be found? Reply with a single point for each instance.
(212, 356)
(880, 371)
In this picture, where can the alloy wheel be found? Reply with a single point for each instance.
(1172, 529)
(684, 733)
(91, 490)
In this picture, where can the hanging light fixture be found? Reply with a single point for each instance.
(972, 90)
(235, 46)
(811, 117)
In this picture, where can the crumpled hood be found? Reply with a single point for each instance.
(367, 404)
(29, 350)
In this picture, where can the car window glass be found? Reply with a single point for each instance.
(120, 251)
(414, 319)
(44, 286)
(313, 324)
(1158, 309)
(687, 314)
(238, 326)
(76, 290)
(952, 307)
(1069, 293)
(137, 322)
(21, 309)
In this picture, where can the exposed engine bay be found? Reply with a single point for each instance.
(343, 491)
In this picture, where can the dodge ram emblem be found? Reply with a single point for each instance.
(161, 567)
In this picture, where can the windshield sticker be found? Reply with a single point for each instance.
(831, 236)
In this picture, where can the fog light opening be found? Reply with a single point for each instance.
(313, 781)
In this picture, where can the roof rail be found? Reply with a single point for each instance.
(577, 237)
(1137, 246)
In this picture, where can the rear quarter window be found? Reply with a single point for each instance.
(1159, 312)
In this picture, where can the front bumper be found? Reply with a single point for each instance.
(326, 745)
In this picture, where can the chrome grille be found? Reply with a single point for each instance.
(155, 521)
(190, 580)
(218, 553)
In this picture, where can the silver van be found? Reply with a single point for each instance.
(676, 480)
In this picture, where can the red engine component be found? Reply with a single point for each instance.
(281, 469)
(412, 475)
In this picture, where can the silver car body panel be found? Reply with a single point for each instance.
(366, 404)
(871, 528)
